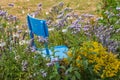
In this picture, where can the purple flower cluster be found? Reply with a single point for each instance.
(42, 40)
(58, 16)
(33, 49)
(75, 26)
(31, 46)
(64, 18)
(12, 18)
(39, 5)
(8, 17)
(61, 4)
(35, 13)
(103, 33)
(3, 13)
(11, 4)
(44, 74)
(82, 23)
(53, 61)
(118, 8)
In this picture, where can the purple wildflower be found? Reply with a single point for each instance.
(61, 4)
(44, 74)
(77, 21)
(87, 15)
(75, 15)
(19, 31)
(55, 60)
(50, 64)
(33, 49)
(2, 13)
(86, 27)
(42, 40)
(31, 42)
(11, 4)
(49, 22)
(60, 24)
(12, 18)
(68, 9)
(40, 5)
(60, 16)
(118, 14)
(68, 15)
(34, 14)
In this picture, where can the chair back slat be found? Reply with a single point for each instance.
(37, 26)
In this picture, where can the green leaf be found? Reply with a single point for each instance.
(77, 74)
(85, 64)
(73, 78)
(70, 69)
(63, 67)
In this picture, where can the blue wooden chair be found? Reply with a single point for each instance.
(39, 28)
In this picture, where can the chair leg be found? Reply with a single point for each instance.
(47, 50)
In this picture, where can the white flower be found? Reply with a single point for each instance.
(117, 8)
(2, 44)
(57, 21)
(22, 42)
(23, 11)
(51, 29)
(47, 13)
(70, 17)
(16, 35)
(55, 60)
(17, 57)
(27, 31)
(44, 74)
(17, 26)
(64, 30)
(49, 64)
(24, 63)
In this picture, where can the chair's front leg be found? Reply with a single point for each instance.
(47, 50)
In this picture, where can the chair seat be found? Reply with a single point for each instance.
(57, 51)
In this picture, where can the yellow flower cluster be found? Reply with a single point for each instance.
(106, 64)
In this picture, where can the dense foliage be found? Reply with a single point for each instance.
(94, 45)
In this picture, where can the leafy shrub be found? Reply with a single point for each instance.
(86, 60)
(110, 11)
(94, 62)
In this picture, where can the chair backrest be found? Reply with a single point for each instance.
(37, 26)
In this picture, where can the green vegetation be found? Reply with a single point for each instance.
(90, 31)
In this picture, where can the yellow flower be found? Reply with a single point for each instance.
(78, 58)
(70, 54)
(105, 64)
(97, 68)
